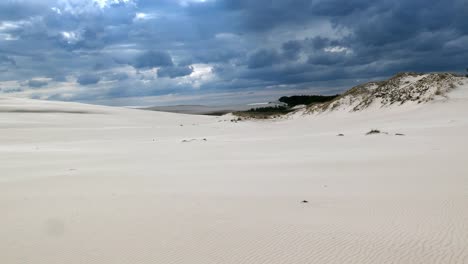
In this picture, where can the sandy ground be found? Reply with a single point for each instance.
(90, 184)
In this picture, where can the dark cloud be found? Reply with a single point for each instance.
(5, 60)
(248, 45)
(264, 58)
(8, 90)
(153, 59)
(37, 83)
(17, 10)
(292, 49)
(174, 72)
(216, 55)
(88, 79)
(120, 76)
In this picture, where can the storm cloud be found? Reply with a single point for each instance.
(153, 59)
(174, 72)
(37, 83)
(127, 49)
(88, 79)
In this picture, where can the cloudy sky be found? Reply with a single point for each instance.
(162, 52)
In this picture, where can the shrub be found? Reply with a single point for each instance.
(264, 112)
(271, 109)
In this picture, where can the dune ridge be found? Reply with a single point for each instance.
(403, 88)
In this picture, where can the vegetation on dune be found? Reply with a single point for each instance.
(270, 109)
(289, 103)
(403, 87)
(264, 112)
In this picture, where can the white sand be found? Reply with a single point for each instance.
(95, 188)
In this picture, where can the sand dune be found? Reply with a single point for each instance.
(113, 185)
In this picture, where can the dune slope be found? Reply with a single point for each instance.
(90, 184)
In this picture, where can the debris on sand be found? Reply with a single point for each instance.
(340, 135)
(193, 139)
(373, 132)
(305, 201)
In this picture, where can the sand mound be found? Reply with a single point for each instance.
(404, 88)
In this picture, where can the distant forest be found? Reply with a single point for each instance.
(292, 101)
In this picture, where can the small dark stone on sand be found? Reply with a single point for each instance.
(305, 201)
(341, 135)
